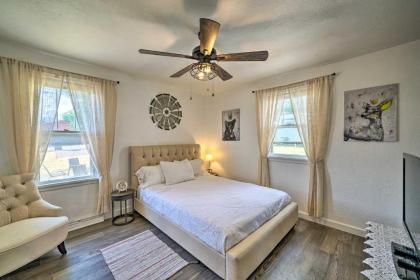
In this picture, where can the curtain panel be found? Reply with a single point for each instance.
(311, 102)
(269, 108)
(95, 103)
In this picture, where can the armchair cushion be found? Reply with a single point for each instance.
(27, 230)
(41, 208)
(26, 240)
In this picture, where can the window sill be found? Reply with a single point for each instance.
(289, 159)
(66, 184)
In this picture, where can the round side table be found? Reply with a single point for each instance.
(122, 197)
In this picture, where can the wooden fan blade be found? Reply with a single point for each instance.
(244, 56)
(143, 51)
(182, 71)
(221, 72)
(208, 34)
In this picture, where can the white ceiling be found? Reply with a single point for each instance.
(297, 33)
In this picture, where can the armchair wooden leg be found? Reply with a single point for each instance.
(62, 248)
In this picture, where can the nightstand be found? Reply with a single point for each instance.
(123, 197)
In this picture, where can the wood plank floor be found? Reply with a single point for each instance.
(309, 251)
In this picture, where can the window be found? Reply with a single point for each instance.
(67, 157)
(287, 141)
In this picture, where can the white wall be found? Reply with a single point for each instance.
(365, 178)
(133, 124)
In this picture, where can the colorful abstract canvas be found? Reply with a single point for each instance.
(371, 114)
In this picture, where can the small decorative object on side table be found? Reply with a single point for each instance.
(213, 173)
(122, 197)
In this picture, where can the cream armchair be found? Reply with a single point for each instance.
(29, 226)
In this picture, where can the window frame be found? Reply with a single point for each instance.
(67, 182)
(294, 158)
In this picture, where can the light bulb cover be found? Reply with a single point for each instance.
(202, 71)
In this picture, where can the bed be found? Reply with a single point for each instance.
(222, 253)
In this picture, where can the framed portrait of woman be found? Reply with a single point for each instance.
(231, 125)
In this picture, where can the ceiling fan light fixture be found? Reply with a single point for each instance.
(202, 71)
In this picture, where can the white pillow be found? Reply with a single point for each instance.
(150, 175)
(177, 171)
(197, 165)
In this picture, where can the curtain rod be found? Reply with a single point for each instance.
(56, 69)
(74, 73)
(333, 74)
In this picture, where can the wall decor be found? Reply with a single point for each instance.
(371, 114)
(231, 125)
(165, 111)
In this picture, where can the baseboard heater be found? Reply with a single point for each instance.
(73, 225)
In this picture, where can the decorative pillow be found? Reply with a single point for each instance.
(197, 165)
(150, 175)
(177, 171)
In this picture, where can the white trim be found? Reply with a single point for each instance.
(334, 224)
(73, 225)
(68, 184)
(288, 158)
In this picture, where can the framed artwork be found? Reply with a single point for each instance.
(371, 114)
(231, 121)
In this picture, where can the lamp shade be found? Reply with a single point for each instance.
(209, 157)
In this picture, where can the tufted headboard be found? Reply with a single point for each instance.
(153, 155)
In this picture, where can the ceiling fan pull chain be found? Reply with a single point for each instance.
(190, 91)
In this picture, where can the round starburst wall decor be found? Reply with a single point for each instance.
(165, 111)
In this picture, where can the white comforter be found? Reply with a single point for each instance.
(218, 211)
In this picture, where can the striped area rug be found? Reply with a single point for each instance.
(142, 256)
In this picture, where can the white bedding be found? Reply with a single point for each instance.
(216, 210)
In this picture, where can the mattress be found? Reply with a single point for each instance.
(218, 211)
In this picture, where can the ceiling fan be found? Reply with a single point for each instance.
(205, 69)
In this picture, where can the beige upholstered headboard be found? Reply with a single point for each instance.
(153, 155)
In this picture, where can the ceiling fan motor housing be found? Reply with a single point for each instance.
(202, 57)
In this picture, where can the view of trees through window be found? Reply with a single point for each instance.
(287, 140)
(67, 157)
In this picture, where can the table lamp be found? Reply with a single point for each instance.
(209, 158)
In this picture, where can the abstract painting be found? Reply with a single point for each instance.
(231, 125)
(371, 114)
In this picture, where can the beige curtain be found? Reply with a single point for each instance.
(95, 103)
(26, 118)
(269, 107)
(311, 101)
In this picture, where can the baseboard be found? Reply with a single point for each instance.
(85, 222)
(334, 224)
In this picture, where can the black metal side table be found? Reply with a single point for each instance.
(123, 197)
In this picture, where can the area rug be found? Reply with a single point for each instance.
(142, 256)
